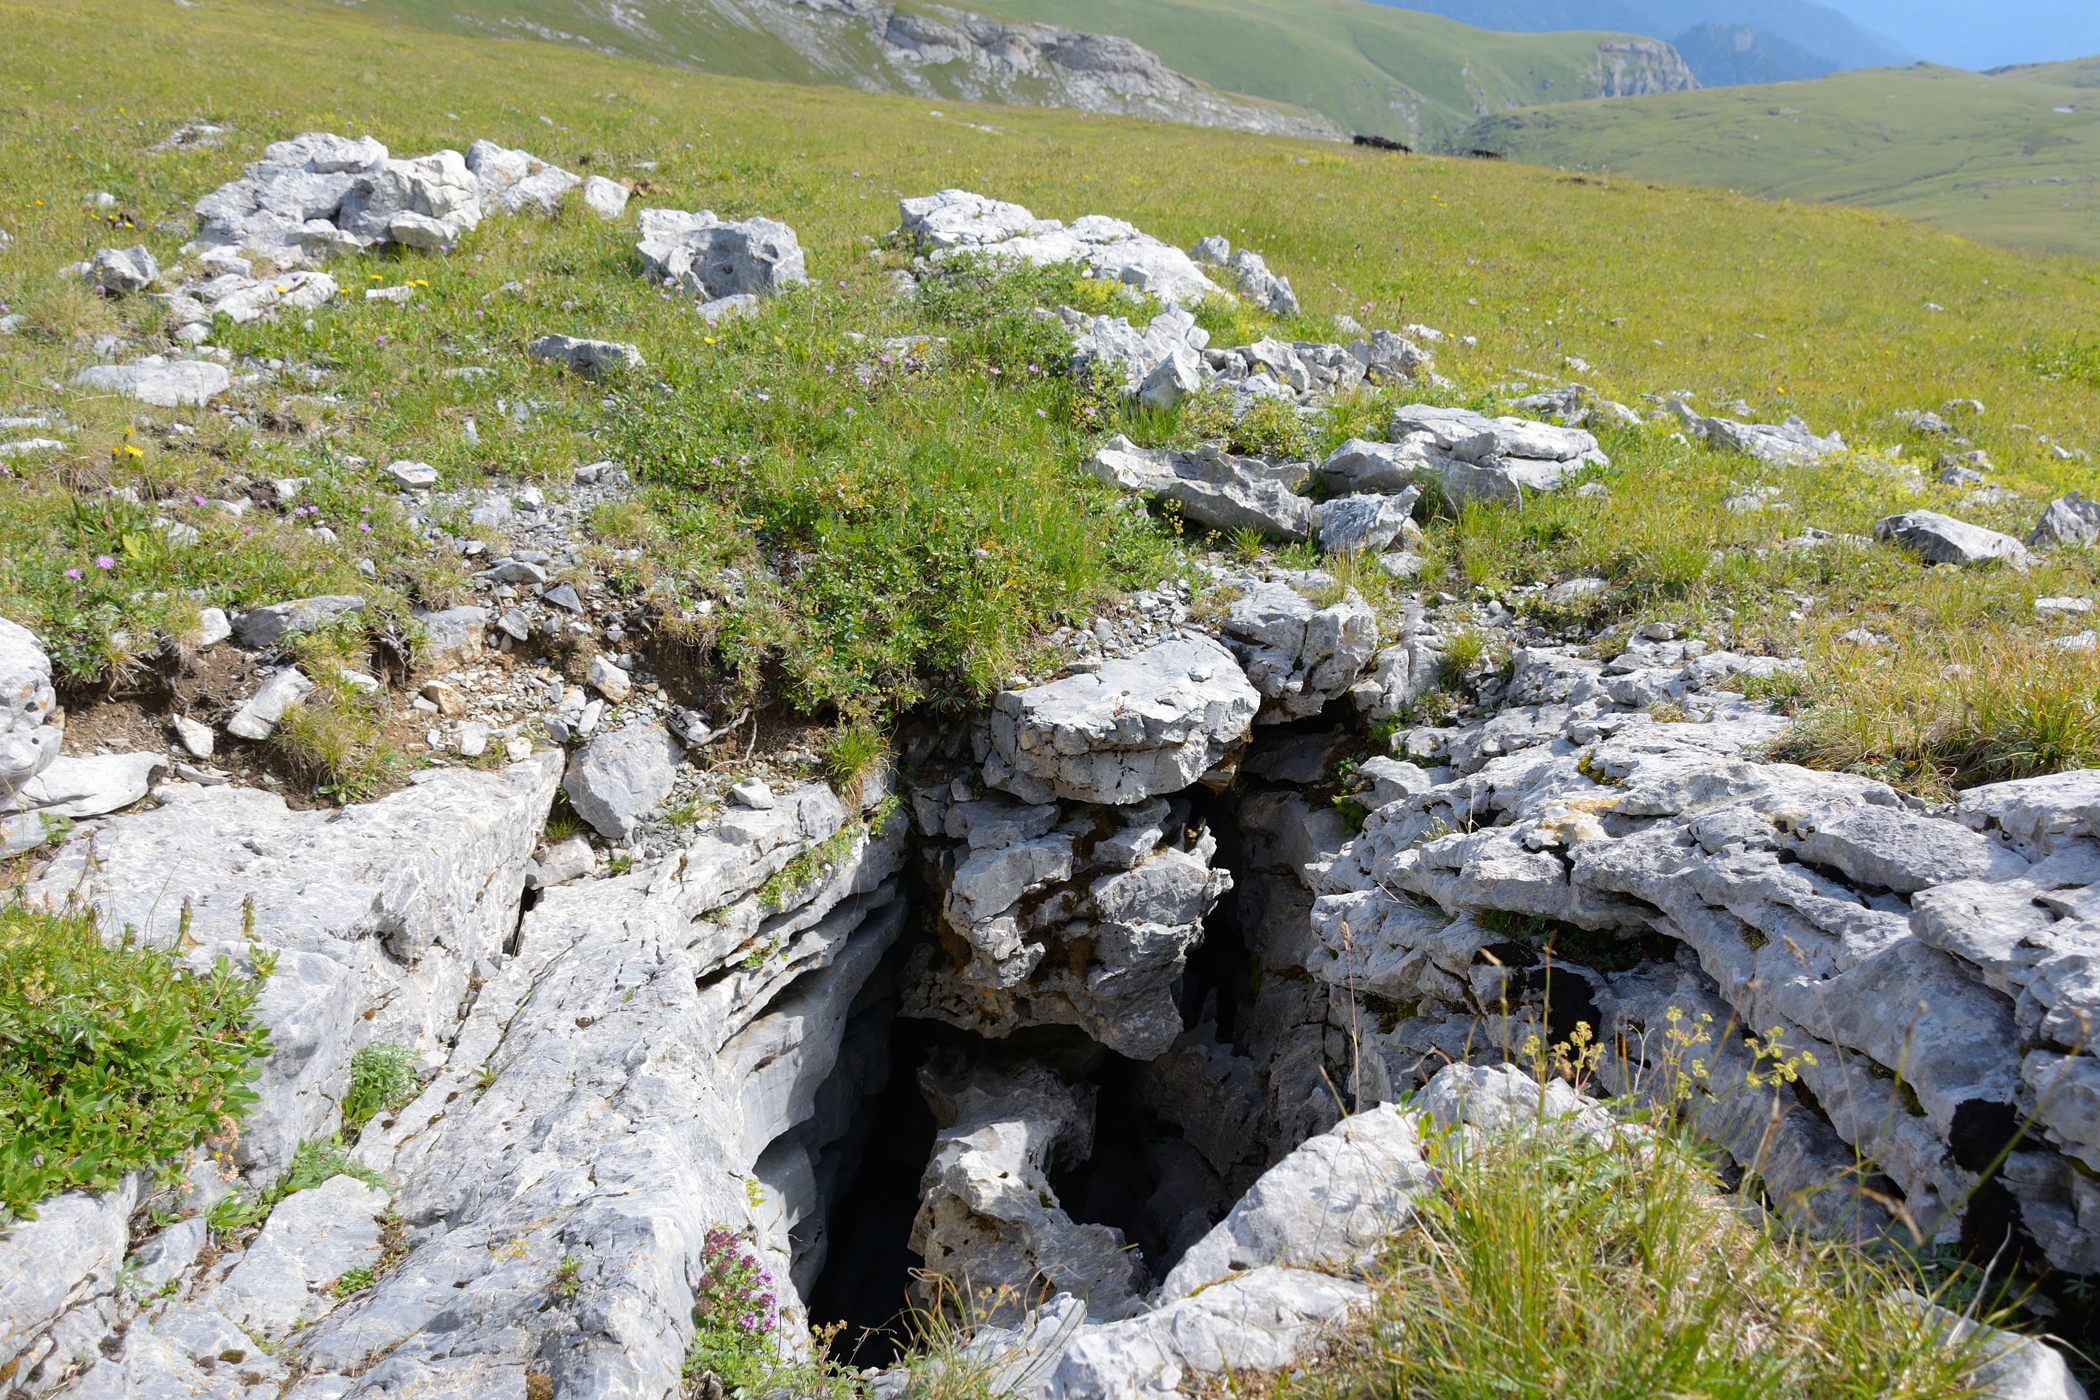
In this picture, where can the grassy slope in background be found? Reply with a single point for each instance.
(1988, 156)
(1397, 73)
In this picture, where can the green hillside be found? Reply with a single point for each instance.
(1403, 74)
(2013, 158)
(1413, 77)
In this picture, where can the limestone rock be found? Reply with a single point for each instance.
(1137, 728)
(120, 270)
(452, 637)
(711, 259)
(592, 357)
(988, 1218)
(1473, 457)
(516, 182)
(76, 787)
(2070, 520)
(1298, 655)
(1941, 539)
(615, 781)
(1329, 1205)
(311, 1239)
(605, 198)
(1349, 524)
(1212, 487)
(260, 628)
(1788, 444)
(1260, 286)
(257, 718)
(953, 219)
(659, 1041)
(382, 907)
(429, 202)
(159, 381)
(1083, 918)
(29, 742)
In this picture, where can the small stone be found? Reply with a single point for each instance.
(124, 270)
(195, 737)
(473, 740)
(563, 596)
(257, 719)
(592, 357)
(446, 698)
(753, 793)
(610, 681)
(212, 628)
(412, 476)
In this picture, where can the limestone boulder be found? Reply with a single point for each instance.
(1212, 488)
(988, 1217)
(1151, 724)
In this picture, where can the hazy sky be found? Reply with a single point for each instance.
(1984, 33)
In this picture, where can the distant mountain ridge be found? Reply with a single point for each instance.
(1737, 55)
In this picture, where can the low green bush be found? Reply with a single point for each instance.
(382, 1079)
(113, 1056)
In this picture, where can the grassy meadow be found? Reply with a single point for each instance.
(925, 522)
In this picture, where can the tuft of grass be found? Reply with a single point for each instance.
(113, 1056)
(852, 752)
(2008, 708)
(1550, 1264)
(382, 1079)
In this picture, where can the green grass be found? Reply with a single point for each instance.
(1985, 155)
(1544, 1265)
(857, 549)
(113, 1056)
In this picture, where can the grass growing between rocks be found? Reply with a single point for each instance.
(857, 527)
(113, 1057)
(1546, 1265)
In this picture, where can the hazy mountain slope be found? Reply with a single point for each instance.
(1989, 156)
(2073, 73)
(1816, 27)
(1414, 77)
(930, 50)
(1736, 55)
(1976, 34)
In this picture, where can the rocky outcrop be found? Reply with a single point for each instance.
(1132, 730)
(947, 51)
(1069, 915)
(951, 221)
(1788, 444)
(1927, 961)
(715, 259)
(1211, 487)
(318, 194)
(1638, 67)
(1301, 656)
(636, 1063)
(991, 1226)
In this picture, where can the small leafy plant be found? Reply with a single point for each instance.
(382, 1079)
(113, 1056)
